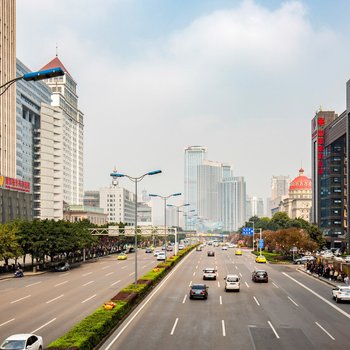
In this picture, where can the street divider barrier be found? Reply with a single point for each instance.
(90, 332)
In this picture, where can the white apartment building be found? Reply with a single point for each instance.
(255, 207)
(64, 96)
(119, 204)
(232, 203)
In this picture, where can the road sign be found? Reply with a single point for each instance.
(261, 244)
(247, 231)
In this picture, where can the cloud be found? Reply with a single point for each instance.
(240, 81)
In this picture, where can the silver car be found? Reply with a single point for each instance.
(341, 293)
(232, 282)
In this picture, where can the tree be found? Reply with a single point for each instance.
(9, 245)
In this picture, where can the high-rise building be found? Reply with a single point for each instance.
(39, 146)
(194, 156)
(232, 203)
(209, 176)
(331, 175)
(144, 214)
(255, 207)
(8, 99)
(64, 95)
(279, 191)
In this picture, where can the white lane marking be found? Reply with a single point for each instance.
(293, 301)
(220, 300)
(256, 300)
(59, 284)
(15, 301)
(325, 331)
(216, 267)
(88, 299)
(274, 330)
(275, 284)
(2, 324)
(49, 301)
(105, 267)
(217, 274)
(218, 284)
(246, 284)
(87, 283)
(33, 284)
(319, 296)
(115, 283)
(190, 284)
(146, 302)
(223, 328)
(124, 267)
(38, 329)
(236, 267)
(86, 274)
(196, 266)
(144, 266)
(194, 273)
(240, 274)
(109, 273)
(174, 326)
(132, 273)
(183, 301)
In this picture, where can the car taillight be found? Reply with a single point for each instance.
(203, 292)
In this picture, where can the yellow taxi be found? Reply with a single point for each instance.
(260, 259)
(238, 252)
(122, 256)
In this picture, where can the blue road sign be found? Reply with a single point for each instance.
(261, 244)
(247, 231)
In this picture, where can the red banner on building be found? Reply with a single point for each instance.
(14, 184)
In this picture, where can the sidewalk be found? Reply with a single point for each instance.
(7, 275)
(323, 279)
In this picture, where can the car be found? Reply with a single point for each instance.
(232, 282)
(169, 248)
(211, 253)
(122, 256)
(161, 256)
(341, 293)
(62, 266)
(156, 252)
(260, 276)
(209, 273)
(22, 342)
(149, 250)
(199, 249)
(238, 252)
(224, 247)
(347, 259)
(260, 259)
(199, 291)
(181, 246)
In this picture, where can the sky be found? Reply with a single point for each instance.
(243, 78)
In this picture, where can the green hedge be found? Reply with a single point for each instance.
(90, 331)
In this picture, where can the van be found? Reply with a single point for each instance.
(232, 282)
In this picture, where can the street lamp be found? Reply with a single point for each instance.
(135, 180)
(165, 199)
(34, 76)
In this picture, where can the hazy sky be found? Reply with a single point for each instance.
(243, 78)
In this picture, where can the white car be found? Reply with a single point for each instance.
(232, 282)
(224, 247)
(181, 246)
(209, 273)
(347, 259)
(22, 342)
(161, 256)
(341, 293)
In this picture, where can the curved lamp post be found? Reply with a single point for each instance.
(165, 198)
(34, 76)
(135, 180)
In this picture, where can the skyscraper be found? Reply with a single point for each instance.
(8, 99)
(65, 96)
(194, 156)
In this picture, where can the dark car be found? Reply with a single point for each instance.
(211, 253)
(199, 291)
(260, 276)
(62, 266)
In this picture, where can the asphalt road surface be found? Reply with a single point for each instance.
(291, 311)
(50, 304)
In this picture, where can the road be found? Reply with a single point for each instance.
(52, 303)
(291, 311)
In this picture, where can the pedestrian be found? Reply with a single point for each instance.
(346, 280)
(335, 275)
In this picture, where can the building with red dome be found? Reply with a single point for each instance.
(299, 201)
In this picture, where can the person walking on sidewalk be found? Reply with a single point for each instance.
(346, 280)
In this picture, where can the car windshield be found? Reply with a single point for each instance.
(13, 344)
(263, 273)
(232, 279)
(198, 286)
(209, 270)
